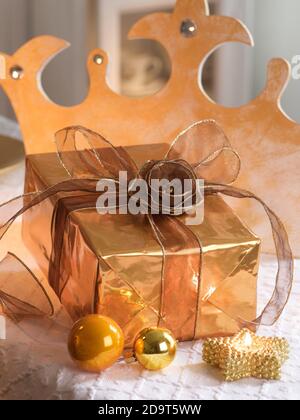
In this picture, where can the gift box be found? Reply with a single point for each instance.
(112, 264)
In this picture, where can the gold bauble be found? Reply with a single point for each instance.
(155, 348)
(95, 343)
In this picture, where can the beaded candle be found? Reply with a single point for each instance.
(246, 354)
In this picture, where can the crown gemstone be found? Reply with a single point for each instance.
(16, 72)
(98, 59)
(188, 28)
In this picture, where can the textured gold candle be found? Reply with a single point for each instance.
(247, 354)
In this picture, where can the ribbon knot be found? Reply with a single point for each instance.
(172, 186)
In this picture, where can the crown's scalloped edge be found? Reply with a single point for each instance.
(43, 48)
(277, 79)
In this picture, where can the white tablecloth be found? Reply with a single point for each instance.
(29, 370)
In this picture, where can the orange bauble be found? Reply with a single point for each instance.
(95, 343)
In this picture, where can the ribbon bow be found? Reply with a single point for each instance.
(200, 151)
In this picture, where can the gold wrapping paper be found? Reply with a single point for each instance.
(111, 264)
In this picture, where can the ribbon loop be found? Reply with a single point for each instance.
(84, 153)
(205, 146)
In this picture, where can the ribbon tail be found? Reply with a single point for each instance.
(25, 301)
(284, 276)
(21, 293)
(14, 208)
(22, 296)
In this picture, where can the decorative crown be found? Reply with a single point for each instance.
(266, 139)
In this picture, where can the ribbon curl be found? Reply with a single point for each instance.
(200, 151)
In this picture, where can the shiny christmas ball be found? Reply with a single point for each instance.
(95, 343)
(155, 348)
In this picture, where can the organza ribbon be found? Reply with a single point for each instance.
(200, 151)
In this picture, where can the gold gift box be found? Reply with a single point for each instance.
(111, 264)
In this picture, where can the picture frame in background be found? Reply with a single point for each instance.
(142, 67)
(139, 67)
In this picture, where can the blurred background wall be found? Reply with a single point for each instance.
(232, 76)
(277, 34)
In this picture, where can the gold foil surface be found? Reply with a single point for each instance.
(111, 264)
